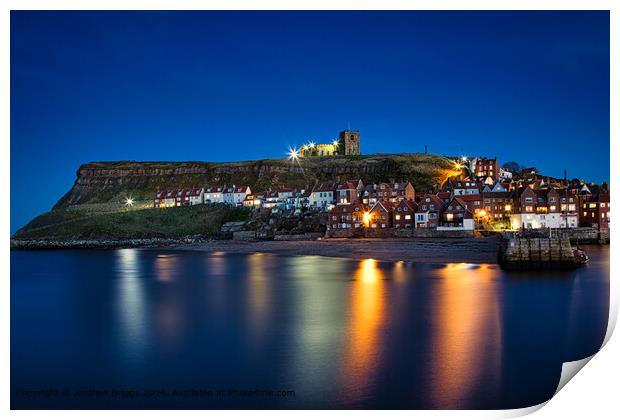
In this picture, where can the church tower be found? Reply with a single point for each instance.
(349, 143)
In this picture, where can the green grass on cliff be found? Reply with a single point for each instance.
(133, 224)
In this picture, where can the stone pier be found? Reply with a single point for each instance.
(536, 254)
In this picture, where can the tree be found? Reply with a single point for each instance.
(513, 167)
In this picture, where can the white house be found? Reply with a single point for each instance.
(213, 195)
(236, 195)
(505, 174)
(465, 188)
(323, 196)
(196, 196)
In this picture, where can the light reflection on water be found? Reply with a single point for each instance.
(341, 333)
(466, 333)
(366, 314)
(131, 303)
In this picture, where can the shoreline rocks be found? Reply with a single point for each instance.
(105, 243)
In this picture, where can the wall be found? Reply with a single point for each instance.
(433, 233)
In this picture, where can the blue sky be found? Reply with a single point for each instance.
(217, 86)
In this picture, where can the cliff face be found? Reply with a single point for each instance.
(100, 182)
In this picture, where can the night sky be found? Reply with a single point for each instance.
(217, 86)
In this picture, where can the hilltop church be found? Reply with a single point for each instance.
(348, 143)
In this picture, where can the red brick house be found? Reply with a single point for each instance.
(346, 220)
(594, 209)
(403, 214)
(347, 193)
(484, 168)
(497, 206)
(456, 215)
(392, 192)
(429, 209)
(380, 216)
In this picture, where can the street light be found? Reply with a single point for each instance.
(129, 202)
(367, 218)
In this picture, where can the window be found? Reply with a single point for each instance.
(407, 217)
(528, 199)
(397, 217)
(449, 216)
(529, 208)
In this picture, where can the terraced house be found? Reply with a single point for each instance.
(456, 216)
(403, 214)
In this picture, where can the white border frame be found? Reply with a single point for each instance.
(595, 387)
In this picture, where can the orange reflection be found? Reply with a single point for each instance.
(164, 267)
(467, 332)
(399, 272)
(365, 317)
(259, 291)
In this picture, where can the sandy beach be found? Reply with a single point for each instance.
(472, 250)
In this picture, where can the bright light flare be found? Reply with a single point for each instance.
(367, 218)
(129, 202)
(293, 153)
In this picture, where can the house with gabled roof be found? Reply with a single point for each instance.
(165, 199)
(347, 192)
(214, 194)
(234, 195)
(346, 220)
(429, 209)
(456, 216)
(403, 214)
(380, 216)
(195, 196)
(323, 196)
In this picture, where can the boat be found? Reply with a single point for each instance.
(581, 257)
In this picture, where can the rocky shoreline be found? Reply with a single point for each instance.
(465, 250)
(105, 243)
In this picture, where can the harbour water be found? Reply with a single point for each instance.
(138, 328)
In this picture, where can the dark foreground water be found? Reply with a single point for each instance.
(159, 329)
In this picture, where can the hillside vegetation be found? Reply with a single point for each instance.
(176, 222)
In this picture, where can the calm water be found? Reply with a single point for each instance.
(337, 333)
